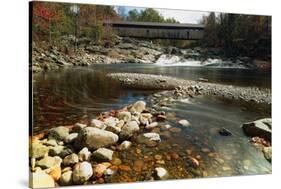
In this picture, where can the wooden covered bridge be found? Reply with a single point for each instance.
(155, 30)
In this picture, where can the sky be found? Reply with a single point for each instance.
(183, 16)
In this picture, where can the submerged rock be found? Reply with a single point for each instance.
(152, 125)
(161, 173)
(41, 180)
(261, 128)
(94, 138)
(102, 154)
(82, 172)
(125, 145)
(184, 122)
(224, 132)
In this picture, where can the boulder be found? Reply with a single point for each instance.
(94, 138)
(161, 173)
(138, 106)
(58, 133)
(126, 116)
(38, 150)
(40, 179)
(82, 172)
(260, 128)
(129, 129)
(66, 178)
(97, 123)
(84, 154)
(49, 162)
(102, 154)
(70, 160)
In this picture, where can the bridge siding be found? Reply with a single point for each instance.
(155, 33)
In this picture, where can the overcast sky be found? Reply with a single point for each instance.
(180, 15)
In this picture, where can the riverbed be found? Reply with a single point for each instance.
(70, 95)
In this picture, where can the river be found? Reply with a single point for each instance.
(67, 96)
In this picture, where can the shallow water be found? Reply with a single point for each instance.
(67, 96)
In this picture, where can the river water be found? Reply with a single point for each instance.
(69, 95)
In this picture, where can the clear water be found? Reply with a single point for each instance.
(67, 96)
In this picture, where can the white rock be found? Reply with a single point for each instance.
(138, 106)
(184, 122)
(161, 173)
(98, 124)
(152, 136)
(129, 129)
(152, 125)
(84, 154)
(41, 180)
(82, 172)
(125, 116)
(125, 145)
(78, 127)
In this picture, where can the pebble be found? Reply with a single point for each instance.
(70, 159)
(124, 168)
(66, 178)
(175, 130)
(184, 122)
(116, 161)
(84, 154)
(161, 173)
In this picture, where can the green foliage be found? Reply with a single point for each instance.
(238, 34)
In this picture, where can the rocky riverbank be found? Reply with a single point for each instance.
(97, 151)
(188, 88)
(128, 50)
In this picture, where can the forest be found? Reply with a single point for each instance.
(235, 34)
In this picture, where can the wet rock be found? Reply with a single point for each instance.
(49, 162)
(152, 125)
(193, 162)
(97, 123)
(175, 130)
(66, 178)
(82, 172)
(38, 150)
(125, 116)
(150, 139)
(70, 159)
(138, 106)
(78, 127)
(124, 168)
(41, 180)
(184, 122)
(94, 138)
(116, 161)
(99, 170)
(129, 129)
(70, 138)
(125, 145)
(138, 165)
(66, 151)
(109, 172)
(161, 117)
(261, 128)
(267, 151)
(84, 154)
(224, 132)
(174, 156)
(102, 154)
(58, 133)
(161, 173)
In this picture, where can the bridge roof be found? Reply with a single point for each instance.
(155, 25)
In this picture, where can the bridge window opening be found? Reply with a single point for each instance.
(187, 34)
